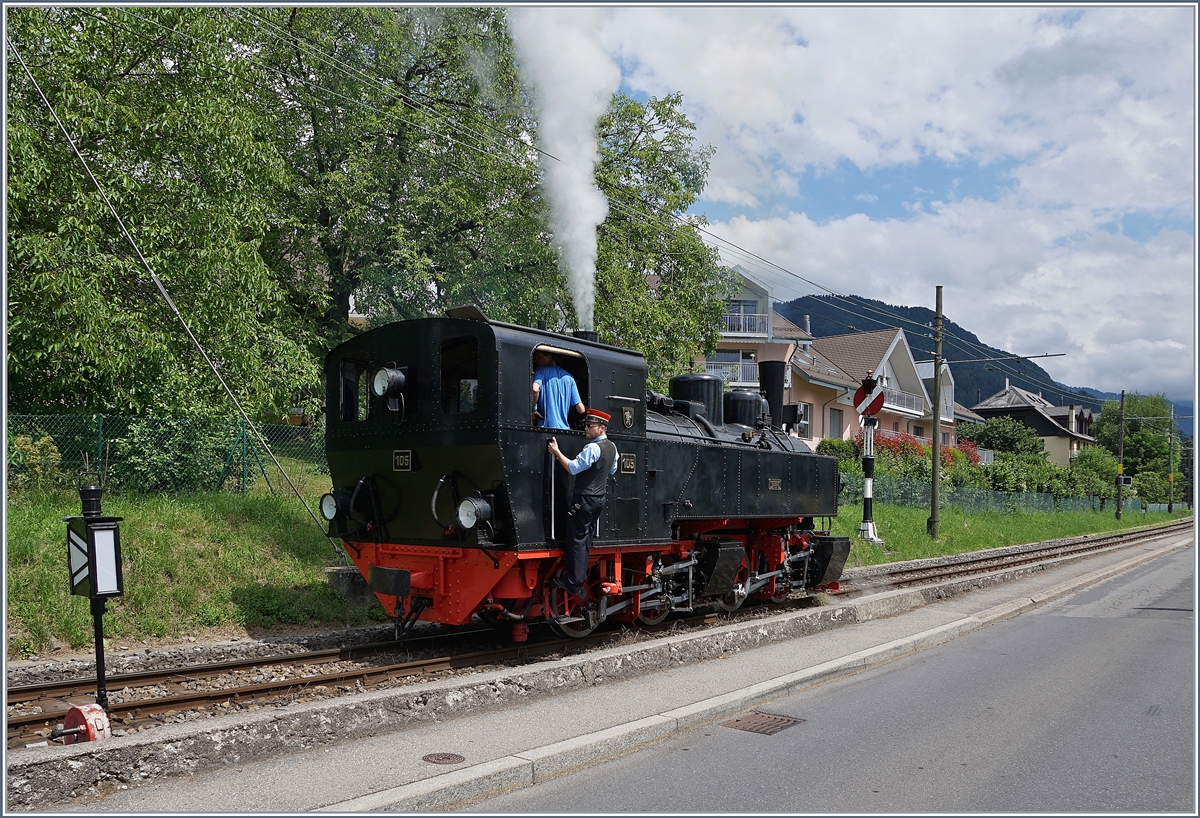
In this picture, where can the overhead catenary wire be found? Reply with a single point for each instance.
(163, 290)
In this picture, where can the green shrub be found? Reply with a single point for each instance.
(1150, 487)
(848, 455)
(34, 464)
(170, 455)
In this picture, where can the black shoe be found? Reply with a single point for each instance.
(558, 581)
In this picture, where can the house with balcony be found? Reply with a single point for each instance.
(907, 407)
(752, 332)
(1064, 430)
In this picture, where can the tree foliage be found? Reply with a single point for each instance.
(190, 167)
(660, 289)
(1147, 419)
(279, 166)
(1003, 434)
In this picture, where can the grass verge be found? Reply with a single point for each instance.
(904, 536)
(218, 562)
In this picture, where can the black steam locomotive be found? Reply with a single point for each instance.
(449, 503)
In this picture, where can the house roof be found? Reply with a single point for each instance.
(857, 352)
(962, 412)
(1063, 412)
(815, 368)
(1013, 397)
(784, 328)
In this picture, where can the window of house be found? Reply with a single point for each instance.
(918, 431)
(460, 375)
(835, 423)
(804, 421)
(895, 425)
(354, 391)
(945, 438)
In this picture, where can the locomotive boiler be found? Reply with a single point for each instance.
(450, 505)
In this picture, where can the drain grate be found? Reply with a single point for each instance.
(444, 758)
(766, 723)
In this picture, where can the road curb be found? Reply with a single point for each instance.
(463, 787)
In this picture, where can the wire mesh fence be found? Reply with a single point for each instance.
(899, 491)
(157, 454)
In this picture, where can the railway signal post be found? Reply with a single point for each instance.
(868, 400)
(94, 567)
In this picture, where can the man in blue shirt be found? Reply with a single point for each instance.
(554, 393)
(591, 468)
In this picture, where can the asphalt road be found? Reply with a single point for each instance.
(1084, 705)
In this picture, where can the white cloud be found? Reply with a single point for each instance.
(1122, 311)
(1095, 107)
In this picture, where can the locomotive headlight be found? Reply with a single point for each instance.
(472, 511)
(387, 382)
(333, 504)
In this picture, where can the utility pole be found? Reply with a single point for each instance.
(1171, 462)
(1121, 455)
(936, 495)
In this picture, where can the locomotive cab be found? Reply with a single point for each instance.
(435, 411)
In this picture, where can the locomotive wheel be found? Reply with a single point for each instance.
(567, 605)
(652, 616)
(731, 601)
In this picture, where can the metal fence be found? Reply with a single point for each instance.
(156, 454)
(899, 491)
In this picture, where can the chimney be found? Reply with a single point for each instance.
(1006, 383)
(807, 325)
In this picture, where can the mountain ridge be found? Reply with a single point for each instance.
(974, 380)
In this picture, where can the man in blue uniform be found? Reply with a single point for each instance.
(554, 392)
(591, 469)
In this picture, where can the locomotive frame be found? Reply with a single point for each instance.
(448, 502)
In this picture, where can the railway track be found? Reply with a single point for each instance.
(138, 701)
(964, 565)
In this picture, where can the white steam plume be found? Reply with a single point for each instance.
(572, 80)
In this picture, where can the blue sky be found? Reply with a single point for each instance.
(892, 192)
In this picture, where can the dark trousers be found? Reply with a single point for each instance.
(583, 527)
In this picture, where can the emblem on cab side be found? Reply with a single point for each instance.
(628, 463)
(775, 483)
(627, 416)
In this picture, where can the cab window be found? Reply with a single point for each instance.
(354, 391)
(460, 375)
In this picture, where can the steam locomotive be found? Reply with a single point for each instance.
(448, 502)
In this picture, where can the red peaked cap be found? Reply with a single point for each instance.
(597, 415)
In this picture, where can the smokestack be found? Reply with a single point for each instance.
(587, 335)
(770, 378)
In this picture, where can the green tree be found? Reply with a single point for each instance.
(189, 164)
(1003, 434)
(412, 189)
(660, 289)
(1147, 419)
(1095, 471)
